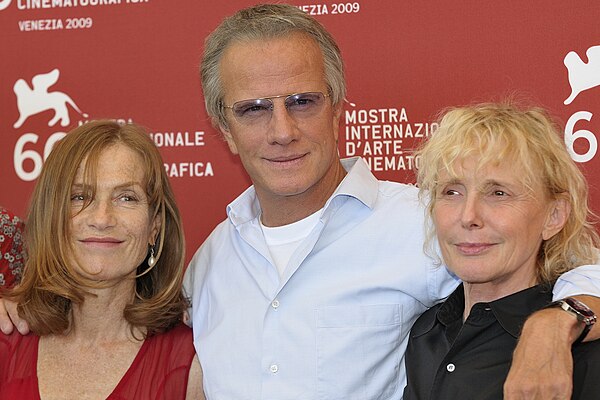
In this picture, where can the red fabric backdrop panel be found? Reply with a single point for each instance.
(67, 61)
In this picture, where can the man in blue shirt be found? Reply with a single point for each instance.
(309, 288)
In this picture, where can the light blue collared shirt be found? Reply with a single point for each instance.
(335, 326)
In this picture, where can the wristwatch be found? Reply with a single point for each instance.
(581, 311)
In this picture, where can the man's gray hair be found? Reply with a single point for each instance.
(265, 21)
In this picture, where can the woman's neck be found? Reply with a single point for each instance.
(100, 317)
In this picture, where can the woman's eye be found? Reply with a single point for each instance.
(449, 192)
(128, 198)
(77, 197)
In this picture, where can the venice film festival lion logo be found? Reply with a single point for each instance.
(4, 4)
(582, 76)
(37, 99)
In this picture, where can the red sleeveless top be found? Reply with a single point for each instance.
(159, 371)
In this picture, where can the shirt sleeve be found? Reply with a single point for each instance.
(583, 280)
(188, 290)
(441, 283)
(195, 276)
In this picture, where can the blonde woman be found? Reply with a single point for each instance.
(509, 209)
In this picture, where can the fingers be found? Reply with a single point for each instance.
(6, 325)
(9, 318)
(20, 323)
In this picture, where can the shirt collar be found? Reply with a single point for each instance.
(359, 183)
(510, 311)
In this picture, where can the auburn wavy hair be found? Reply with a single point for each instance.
(50, 284)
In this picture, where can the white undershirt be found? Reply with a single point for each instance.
(284, 240)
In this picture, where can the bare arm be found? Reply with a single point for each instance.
(194, 388)
(9, 318)
(542, 365)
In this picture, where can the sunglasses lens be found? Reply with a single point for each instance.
(253, 110)
(259, 111)
(304, 103)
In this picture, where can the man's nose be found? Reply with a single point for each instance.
(283, 128)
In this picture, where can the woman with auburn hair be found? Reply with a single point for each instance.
(101, 290)
(509, 208)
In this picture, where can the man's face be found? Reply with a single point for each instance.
(285, 153)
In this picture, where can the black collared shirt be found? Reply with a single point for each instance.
(447, 359)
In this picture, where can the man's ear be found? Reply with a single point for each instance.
(558, 215)
(228, 138)
(337, 113)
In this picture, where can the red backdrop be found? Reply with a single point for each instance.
(405, 60)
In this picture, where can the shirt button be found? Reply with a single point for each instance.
(450, 367)
(275, 304)
(274, 368)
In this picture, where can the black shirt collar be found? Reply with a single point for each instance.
(510, 311)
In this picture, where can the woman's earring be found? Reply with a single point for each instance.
(151, 259)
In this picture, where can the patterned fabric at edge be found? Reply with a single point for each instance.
(11, 248)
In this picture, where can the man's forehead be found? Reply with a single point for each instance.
(268, 68)
(266, 49)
